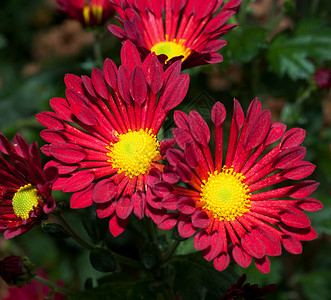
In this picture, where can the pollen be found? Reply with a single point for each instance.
(171, 48)
(225, 194)
(25, 200)
(134, 152)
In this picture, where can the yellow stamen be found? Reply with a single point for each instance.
(171, 49)
(96, 10)
(25, 200)
(225, 194)
(134, 152)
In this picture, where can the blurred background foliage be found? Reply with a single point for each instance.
(273, 55)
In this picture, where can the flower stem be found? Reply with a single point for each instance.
(73, 233)
(151, 230)
(171, 250)
(54, 287)
(126, 260)
(97, 50)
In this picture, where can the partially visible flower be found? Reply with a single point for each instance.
(187, 30)
(102, 137)
(16, 270)
(87, 12)
(239, 290)
(25, 188)
(247, 207)
(322, 78)
(32, 291)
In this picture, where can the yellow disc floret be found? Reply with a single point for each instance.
(134, 152)
(171, 49)
(225, 194)
(25, 200)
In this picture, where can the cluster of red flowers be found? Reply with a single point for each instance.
(104, 149)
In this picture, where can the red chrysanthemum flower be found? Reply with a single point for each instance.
(187, 30)
(103, 136)
(87, 12)
(243, 208)
(25, 189)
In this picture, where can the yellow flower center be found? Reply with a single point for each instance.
(225, 194)
(134, 152)
(25, 200)
(171, 49)
(97, 11)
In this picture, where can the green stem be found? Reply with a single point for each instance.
(127, 261)
(150, 229)
(171, 250)
(73, 233)
(54, 287)
(97, 50)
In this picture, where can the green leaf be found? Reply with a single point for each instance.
(103, 260)
(292, 55)
(194, 277)
(244, 44)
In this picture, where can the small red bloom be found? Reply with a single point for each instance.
(16, 270)
(239, 209)
(25, 189)
(103, 136)
(187, 30)
(87, 12)
(323, 78)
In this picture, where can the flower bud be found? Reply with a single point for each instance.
(16, 270)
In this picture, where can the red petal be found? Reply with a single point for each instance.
(74, 82)
(199, 128)
(139, 203)
(175, 92)
(117, 225)
(104, 191)
(200, 219)
(154, 74)
(110, 73)
(181, 120)
(303, 189)
(185, 228)
(240, 256)
(138, 85)
(191, 156)
(292, 244)
(289, 156)
(170, 201)
(310, 204)
(258, 130)
(293, 138)
(263, 264)
(99, 83)
(218, 114)
(82, 198)
(175, 156)
(168, 221)
(165, 145)
(182, 137)
(252, 245)
(89, 87)
(161, 189)
(78, 181)
(130, 56)
(201, 240)
(123, 84)
(170, 175)
(184, 172)
(295, 218)
(61, 107)
(5, 146)
(298, 170)
(275, 132)
(124, 207)
(67, 153)
(50, 120)
(222, 261)
(186, 205)
(85, 114)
